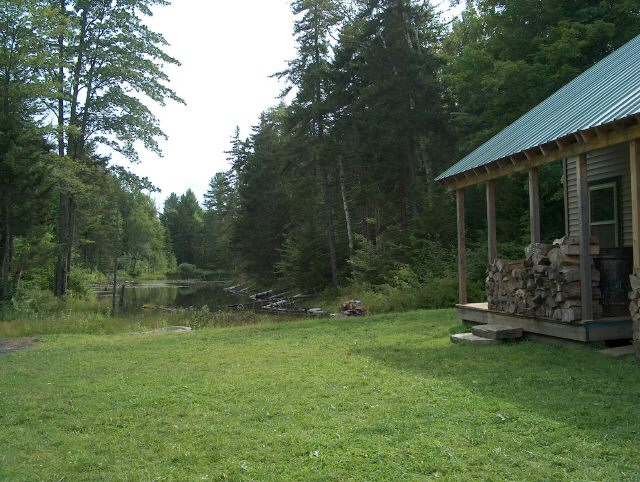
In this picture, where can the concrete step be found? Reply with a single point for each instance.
(619, 351)
(473, 339)
(497, 332)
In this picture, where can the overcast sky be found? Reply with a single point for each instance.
(228, 50)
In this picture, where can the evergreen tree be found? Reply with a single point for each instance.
(24, 172)
(263, 212)
(309, 73)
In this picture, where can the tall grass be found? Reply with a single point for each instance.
(85, 318)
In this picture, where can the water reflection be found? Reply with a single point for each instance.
(166, 294)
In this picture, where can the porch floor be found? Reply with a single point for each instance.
(586, 332)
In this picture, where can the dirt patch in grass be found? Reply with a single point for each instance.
(16, 344)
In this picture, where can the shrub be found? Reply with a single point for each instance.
(374, 263)
(81, 279)
(188, 271)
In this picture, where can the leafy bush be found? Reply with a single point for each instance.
(388, 276)
(405, 291)
(477, 262)
(31, 301)
(188, 271)
(81, 279)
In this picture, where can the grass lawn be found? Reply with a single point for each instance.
(380, 398)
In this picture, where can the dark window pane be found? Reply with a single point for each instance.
(603, 207)
(606, 234)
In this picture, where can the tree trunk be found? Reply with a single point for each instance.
(121, 301)
(17, 278)
(345, 205)
(428, 169)
(61, 86)
(64, 254)
(71, 230)
(378, 225)
(75, 137)
(365, 222)
(413, 176)
(331, 234)
(403, 211)
(6, 249)
(115, 281)
(61, 271)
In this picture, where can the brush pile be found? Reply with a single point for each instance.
(544, 285)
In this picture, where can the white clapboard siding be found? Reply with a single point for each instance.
(612, 161)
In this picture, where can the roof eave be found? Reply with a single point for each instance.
(569, 145)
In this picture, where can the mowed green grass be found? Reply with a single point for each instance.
(379, 398)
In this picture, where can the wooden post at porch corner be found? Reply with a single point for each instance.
(462, 254)
(585, 238)
(534, 204)
(634, 164)
(492, 250)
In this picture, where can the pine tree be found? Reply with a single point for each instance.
(24, 171)
(309, 73)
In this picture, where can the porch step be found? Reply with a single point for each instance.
(619, 351)
(473, 339)
(497, 332)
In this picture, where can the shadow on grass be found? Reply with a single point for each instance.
(574, 387)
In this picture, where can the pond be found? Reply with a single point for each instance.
(170, 294)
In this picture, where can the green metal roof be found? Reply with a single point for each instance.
(606, 92)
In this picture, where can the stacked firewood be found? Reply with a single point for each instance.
(634, 307)
(545, 285)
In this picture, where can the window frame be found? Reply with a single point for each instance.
(605, 183)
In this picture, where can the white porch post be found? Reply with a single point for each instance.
(462, 255)
(585, 238)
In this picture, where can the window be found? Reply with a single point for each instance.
(604, 213)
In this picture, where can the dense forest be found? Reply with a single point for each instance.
(333, 188)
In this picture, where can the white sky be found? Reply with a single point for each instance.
(228, 50)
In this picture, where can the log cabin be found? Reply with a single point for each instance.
(592, 126)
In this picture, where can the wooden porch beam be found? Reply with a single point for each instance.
(462, 254)
(491, 222)
(600, 131)
(586, 135)
(570, 150)
(563, 143)
(547, 148)
(619, 126)
(534, 204)
(582, 187)
(634, 164)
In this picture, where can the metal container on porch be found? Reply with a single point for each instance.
(615, 266)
